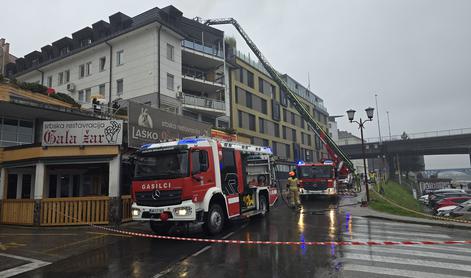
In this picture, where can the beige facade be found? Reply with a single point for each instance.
(261, 113)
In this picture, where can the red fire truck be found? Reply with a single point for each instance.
(201, 180)
(317, 178)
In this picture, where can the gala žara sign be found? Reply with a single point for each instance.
(71, 133)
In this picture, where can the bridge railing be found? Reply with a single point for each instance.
(428, 134)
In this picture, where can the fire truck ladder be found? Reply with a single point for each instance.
(333, 149)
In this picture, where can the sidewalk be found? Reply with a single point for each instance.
(352, 205)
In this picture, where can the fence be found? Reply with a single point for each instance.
(126, 203)
(74, 211)
(17, 212)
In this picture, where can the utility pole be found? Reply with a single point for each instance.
(389, 126)
(377, 115)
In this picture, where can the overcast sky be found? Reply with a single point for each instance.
(414, 54)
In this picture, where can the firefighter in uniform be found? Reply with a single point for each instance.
(293, 184)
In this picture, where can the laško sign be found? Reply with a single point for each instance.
(82, 133)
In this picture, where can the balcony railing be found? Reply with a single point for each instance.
(204, 102)
(205, 48)
(202, 75)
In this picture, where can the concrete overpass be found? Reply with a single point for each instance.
(434, 145)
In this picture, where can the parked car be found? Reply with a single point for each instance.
(445, 211)
(435, 198)
(462, 210)
(452, 201)
(424, 199)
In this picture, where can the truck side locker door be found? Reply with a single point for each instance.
(202, 171)
(230, 181)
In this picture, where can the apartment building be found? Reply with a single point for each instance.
(261, 114)
(158, 57)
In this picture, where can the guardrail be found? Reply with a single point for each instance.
(126, 203)
(418, 135)
(74, 211)
(17, 211)
(205, 48)
(202, 75)
(204, 102)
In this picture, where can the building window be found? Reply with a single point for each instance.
(264, 106)
(261, 125)
(240, 119)
(284, 132)
(102, 63)
(248, 100)
(67, 75)
(260, 85)
(285, 115)
(273, 90)
(119, 57)
(170, 79)
(81, 71)
(170, 50)
(119, 87)
(49, 81)
(293, 119)
(85, 95)
(250, 79)
(60, 79)
(275, 109)
(293, 135)
(101, 90)
(15, 132)
(277, 130)
(64, 50)
(88, 69)
(251, 122)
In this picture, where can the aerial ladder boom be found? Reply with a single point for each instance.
(332, 148)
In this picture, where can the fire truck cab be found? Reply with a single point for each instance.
(201, 180)
(317, 178)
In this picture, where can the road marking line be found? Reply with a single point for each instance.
(34, 264)
(38, 234)
(389, 223)
(407, 261)
(73, 243)
(421, 253)
(201, 251)
(395, 272)
(108, 234)
(376, 231)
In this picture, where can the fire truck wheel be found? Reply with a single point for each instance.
(160, 228)
(214, 221)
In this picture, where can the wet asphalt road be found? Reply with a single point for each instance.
(319, 220)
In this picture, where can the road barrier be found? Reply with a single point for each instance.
(311, 243)
(421, 213)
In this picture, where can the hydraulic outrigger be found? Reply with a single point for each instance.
(340, 159)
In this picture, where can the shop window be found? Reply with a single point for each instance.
(52, 192)
(64, 185)
(26, 186)
(12, 186)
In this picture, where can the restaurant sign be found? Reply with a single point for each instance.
(82, 133)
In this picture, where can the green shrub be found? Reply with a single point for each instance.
(65, 98)
(34, 87)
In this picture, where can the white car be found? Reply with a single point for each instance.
(424, 199)
(445, 211)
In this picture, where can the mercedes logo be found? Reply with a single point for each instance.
(156, 194)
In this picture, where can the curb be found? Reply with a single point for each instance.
(442, 224)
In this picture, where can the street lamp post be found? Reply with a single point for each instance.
(361, 124)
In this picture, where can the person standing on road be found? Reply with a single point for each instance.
(293, 185)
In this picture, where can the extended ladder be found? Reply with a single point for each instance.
(333, 149)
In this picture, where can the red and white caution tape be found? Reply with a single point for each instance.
(260, 242)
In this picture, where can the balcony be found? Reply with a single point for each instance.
(204, 48)
(204, 104)
(199, 80)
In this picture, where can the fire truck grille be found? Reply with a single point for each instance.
(160, 198)
(314, 186)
